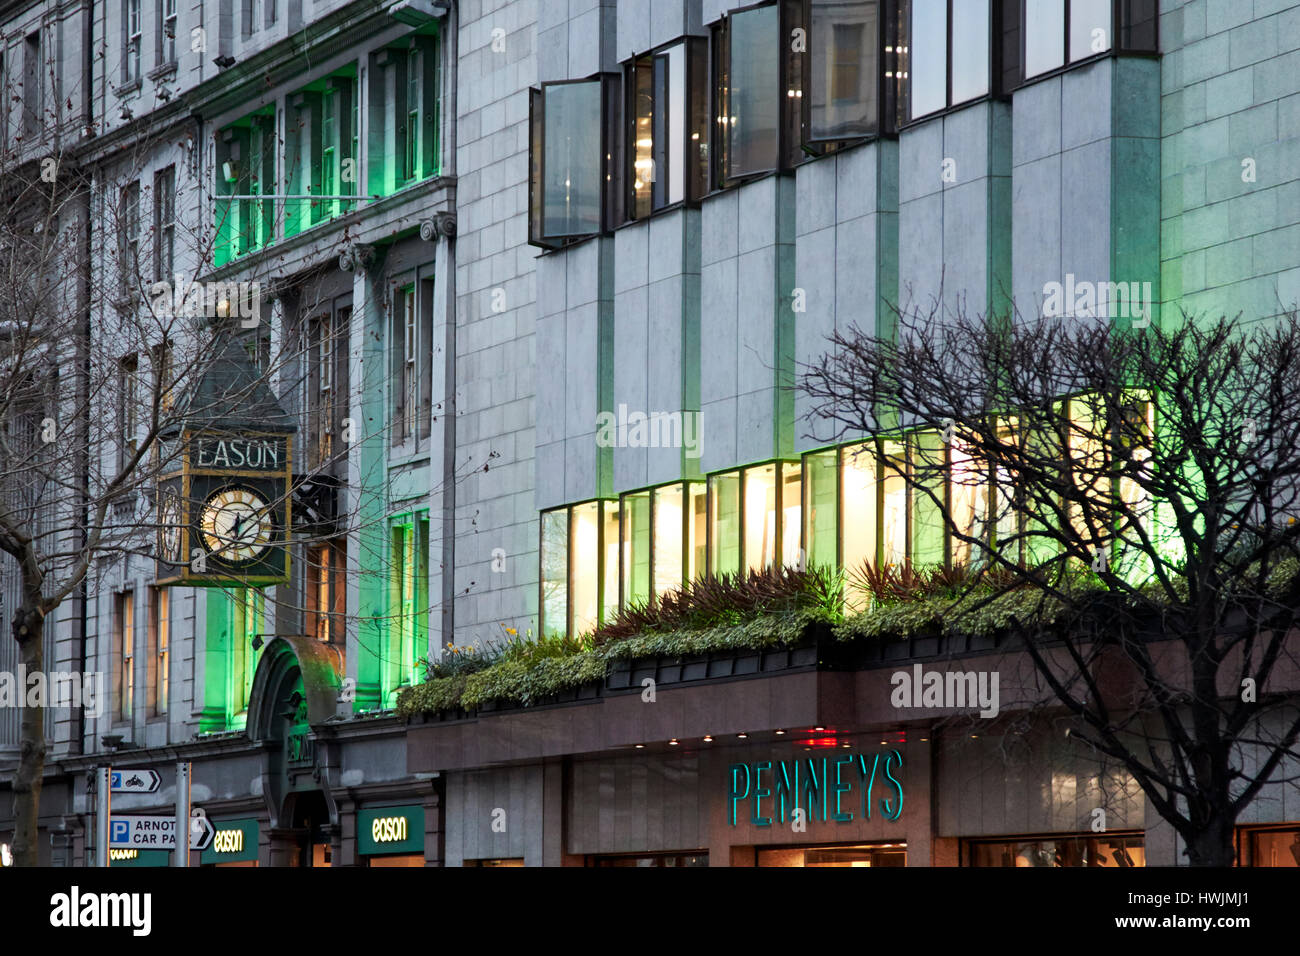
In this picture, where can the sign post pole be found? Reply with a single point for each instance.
(182, 813)
(103, 803)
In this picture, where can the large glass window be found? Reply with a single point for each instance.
(408, 603)
(753, 510)
(403, 113)
(667, 130)
(843, 99)
(571, 162)
(757, 92)
(245, 171)
(1055, 850)
(949, 42)
(636, 549)
(1057, 32)
(579, 567)
(929, 465)
(821, 517)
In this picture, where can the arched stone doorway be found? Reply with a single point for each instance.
(295, 689)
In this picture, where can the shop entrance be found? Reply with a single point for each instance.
(864, 854)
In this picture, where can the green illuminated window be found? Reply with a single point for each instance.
(821, 518)
(724, 523)
(245, 171)
(408, 603)
(245, 608)
(929, 463)
(404, 113)
(636, 548)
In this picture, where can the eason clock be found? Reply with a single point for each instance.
(236, 525)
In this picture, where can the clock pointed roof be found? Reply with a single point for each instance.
(232, 395)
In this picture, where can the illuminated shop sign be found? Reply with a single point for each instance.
(233, 841)
(390, 830)
(824, 788)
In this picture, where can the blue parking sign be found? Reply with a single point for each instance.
(121, 831)
(117, 779)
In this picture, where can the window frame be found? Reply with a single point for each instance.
(601, 569)
(610, 147)
(159, 650)
(413, 528)
(789, 151)
(778, 544)
(1119, 26)
(164, 222)
(696, 83)
(133, 41)
(889, 99)
(124, 639)
(166, 13)
(999, 85)
(411, 429)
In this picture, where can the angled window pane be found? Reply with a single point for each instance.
(636, 549)
(1044, 36)
(555, 572)
(609, 559)
(724, 523)
(821, 521)
(970, 50)
(760, 517)
(844, 71)
(858, 513)
(571, 159)
(791, 514)
(1090, 30)
(929, 56)
(928, 527)
(668, 539)
(697, 529)
(894, 517)
(753, 102)
(584, 567)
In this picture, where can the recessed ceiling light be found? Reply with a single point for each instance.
(742, 736)
(780, 732)
(673, 742)
(640, 746)
(708, 739)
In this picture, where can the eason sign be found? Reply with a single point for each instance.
(840, 788)
(382, 830)
(233, 841)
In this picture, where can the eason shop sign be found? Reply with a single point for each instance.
(234, 841)
(390, 830)
(823, 788)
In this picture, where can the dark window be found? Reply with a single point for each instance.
(667, 147)
(164, 222)
(129, 249)
(132, 33)
(571, 190)
(411, 351)
(33, 86)
(128, 407)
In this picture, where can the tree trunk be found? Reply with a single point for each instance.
(1215, 844)
(29, 632)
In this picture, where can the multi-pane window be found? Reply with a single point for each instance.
(166, 10)
(124, 639)
(326, 373)
(404, 114)
(571, 190)
(579, 567)
(667, 131)
(411, 368)
(320, 150)
(754, 518)
(132, 31)
(164, 222)
(664, 539)
(949, 53)
(159, 649)
(408, 603)
(257, 14)
(326, 590)
(246, 171)
(1059, 32)
(129, 249)
(33, 85)
(128, 407)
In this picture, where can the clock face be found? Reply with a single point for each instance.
(236, 525)
(169, 530)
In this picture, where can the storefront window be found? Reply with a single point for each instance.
(584, 585)
(760, 517)
(894, 503)
(1271, 847)
(512, 861)
(889, 854)
(697, 529)
(1125, 850)
(968, 488)
(654, 859)
(579, 567)
(858, 504)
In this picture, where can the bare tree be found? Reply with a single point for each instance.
(1144, 485)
